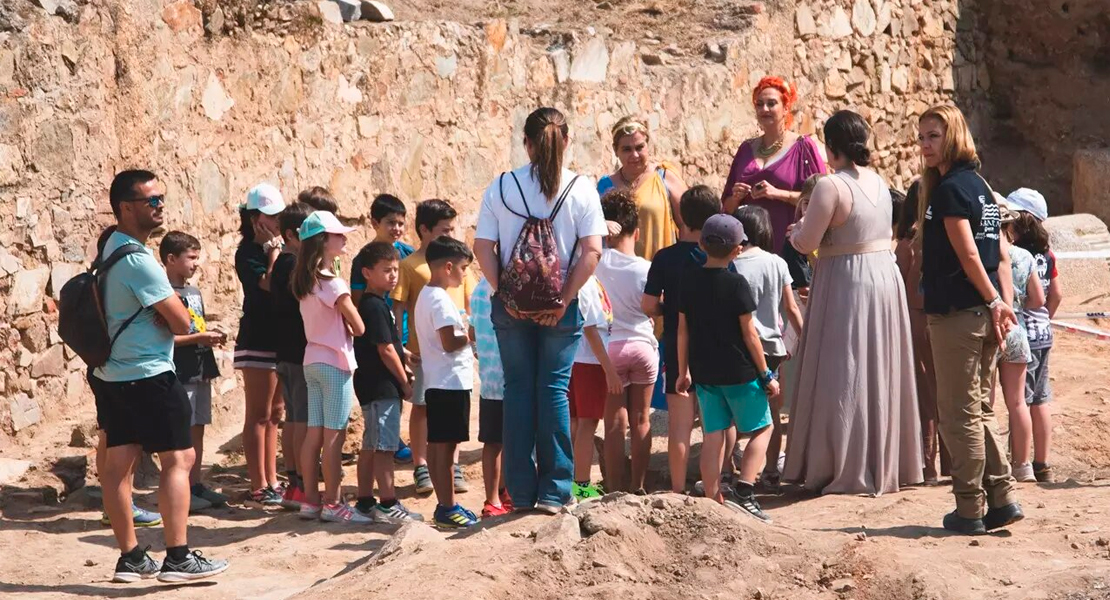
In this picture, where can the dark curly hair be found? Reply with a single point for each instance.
(619, 207)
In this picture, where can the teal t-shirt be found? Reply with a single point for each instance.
(145, 348)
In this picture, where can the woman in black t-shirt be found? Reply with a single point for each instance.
(256, 344)
(963, 270)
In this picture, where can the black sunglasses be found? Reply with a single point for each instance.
(153, 201)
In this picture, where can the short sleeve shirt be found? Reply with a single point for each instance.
(137, 281)
(664, 280)
(412, 276)
(597, 312)
(767, 275)
(442, 370)
(194, 362)
(1037, 323)
(623, 277)
(579, 217)
(373, 380)
(358, 283)
(329, 342)
(256, 331)
(962, 194)
(713, 301)
(490, 371)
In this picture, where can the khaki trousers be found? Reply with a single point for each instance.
(964, 352)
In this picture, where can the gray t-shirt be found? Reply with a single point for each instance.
(767, 274)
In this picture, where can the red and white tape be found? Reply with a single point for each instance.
(1089, 331)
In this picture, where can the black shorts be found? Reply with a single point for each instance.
(448, 416)
(491, 421)
(153, 413)
(774, 362)
(99, 398)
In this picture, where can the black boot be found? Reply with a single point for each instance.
(1002, 516)
(955, 523)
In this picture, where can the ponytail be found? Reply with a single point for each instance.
(546, 128)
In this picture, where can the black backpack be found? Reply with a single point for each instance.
(82, 324)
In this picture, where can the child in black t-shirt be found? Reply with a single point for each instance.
(720, 351)
(381, 381)
(291, 342)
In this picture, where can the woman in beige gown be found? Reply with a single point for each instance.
(854, 424)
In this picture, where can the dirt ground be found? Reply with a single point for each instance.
(662, 546)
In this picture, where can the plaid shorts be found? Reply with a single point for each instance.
(331, 394)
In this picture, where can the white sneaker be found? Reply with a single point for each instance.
(309, 512)
(341, 513)
(1023, 472)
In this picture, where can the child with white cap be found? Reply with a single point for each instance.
(1029, 233)
(256, 344)
(330, 323)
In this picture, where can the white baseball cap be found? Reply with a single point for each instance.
(1030, 201)
(265, 198)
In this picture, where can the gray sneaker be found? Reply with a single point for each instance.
(204, 492)
(196, 503)
(128, 572)
(395, 514)
(423, 480)
(194, 567)
(461, 484)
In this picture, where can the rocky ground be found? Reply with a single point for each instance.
(662, 546)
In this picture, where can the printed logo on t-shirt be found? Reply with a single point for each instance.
(991, 222)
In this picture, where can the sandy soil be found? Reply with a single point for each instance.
(660, 547)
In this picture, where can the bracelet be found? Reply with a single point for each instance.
(766, 377)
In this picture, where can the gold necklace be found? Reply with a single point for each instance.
(769, 151)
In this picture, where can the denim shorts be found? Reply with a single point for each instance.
(382, 419)
(744, 404)
(331, 394)
(1038, 389)
(200, 398)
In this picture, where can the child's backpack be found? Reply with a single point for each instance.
(533, 279)
(82, 324)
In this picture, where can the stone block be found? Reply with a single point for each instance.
(11, 162)
(1090, 187)
(349, 10)
(329, 12)
(215, 100)
(51, 363)
(60, 273)
(803, 19)
(182, 15)
(591, 62)
(836, 26)
(379, 12)
(25, 411)
(863, 17)
(27, 291)
(11, 469)
(1082, 281)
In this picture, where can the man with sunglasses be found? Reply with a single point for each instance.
(147, 408)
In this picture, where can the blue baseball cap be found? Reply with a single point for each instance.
(1030, 201)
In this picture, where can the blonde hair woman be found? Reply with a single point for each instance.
(963, 266)
(656, 186)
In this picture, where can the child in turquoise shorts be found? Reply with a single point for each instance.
(720, 352)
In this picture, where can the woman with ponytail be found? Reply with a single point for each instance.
(854, 425)
(538, 343)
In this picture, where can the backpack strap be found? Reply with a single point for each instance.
(562, 198)
(501, 185)
(102, 269)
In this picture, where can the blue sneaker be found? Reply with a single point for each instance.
(403, 455)
(139, 516)
(455, 517)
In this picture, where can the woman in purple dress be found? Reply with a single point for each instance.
(769, 171)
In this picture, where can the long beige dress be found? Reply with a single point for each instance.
(854, 425)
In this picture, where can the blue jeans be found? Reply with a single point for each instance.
(537, 361)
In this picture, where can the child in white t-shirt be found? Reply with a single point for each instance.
(633, 349)
(769, 278)
(592, 378)
(448, 366)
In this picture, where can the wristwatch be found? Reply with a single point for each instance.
(995, 302)
(766, 377)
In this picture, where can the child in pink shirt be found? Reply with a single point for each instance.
(330, 322)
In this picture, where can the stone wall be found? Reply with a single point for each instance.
(422, 109)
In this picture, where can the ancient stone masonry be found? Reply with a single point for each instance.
(216, 98)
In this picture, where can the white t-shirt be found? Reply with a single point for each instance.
(624, 277)
(767, 274)
(442, 370)
(597, 312)
(579, 217)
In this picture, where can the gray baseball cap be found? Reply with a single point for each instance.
(723, 229)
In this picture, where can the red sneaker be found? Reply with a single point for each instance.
(494, 510)
(506, 501)
(293, 498)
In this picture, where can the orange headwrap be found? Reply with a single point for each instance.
(788, 91)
